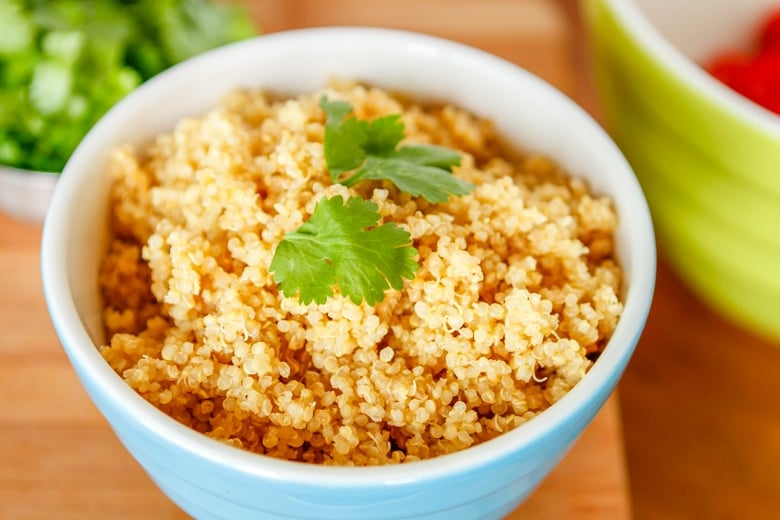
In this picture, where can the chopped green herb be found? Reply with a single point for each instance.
(64, 63)
(341, 244)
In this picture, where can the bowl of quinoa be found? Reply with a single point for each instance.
(455, 391)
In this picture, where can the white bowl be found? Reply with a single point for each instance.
(26, 194)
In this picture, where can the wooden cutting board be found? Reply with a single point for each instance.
(60, 459)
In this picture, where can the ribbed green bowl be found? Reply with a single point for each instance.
(707, 159)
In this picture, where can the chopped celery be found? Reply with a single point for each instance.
(64, 63)
(50, 86)
(17, 30)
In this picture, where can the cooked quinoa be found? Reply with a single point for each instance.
(516, 293)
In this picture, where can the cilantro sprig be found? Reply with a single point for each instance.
(341, 244)
(356, 150)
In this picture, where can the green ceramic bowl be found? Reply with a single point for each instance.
(707, 158)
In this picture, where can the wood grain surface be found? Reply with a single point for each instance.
(696, 433)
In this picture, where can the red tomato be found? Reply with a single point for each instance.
(764, 78)
(769, 37)
(730, 68)
(755, 76)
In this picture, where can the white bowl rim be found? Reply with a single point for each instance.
(651, 38)
(25, 194)
(85, 356)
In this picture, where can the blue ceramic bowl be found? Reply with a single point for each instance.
(208, 479)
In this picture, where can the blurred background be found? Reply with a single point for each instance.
(700, 420)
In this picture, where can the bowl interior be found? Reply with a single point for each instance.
(681, 36)
(525, 110)
(701, 29)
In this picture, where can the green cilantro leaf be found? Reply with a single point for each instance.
(438, 186)
(344, 146)
(341, 244)
(384, 134)
(369, 150)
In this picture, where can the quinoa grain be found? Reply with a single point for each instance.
(517, 288)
